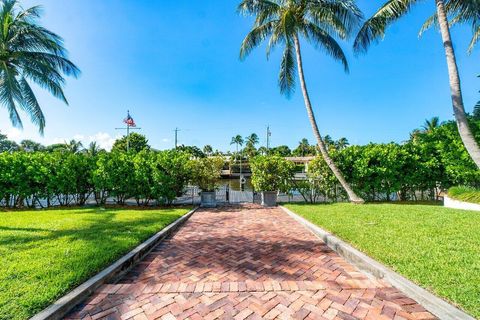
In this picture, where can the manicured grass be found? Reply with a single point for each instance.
(44, 254)
(466, 194)
(436, 247)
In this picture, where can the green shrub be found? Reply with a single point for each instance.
(272, 173)
(206, 172)
(467, 194)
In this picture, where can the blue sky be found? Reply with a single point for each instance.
(175, 64)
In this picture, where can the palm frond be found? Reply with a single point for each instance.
(322, 40)
(338, 16)
(33, 53)
(373, 30)
(31, 106)
(255, 37)
(9, 93)
(254, 7)
(286, 78)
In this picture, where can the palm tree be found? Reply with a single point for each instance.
(431, 125)
(303, 148)
(73, 146)
(329, 142)
(319, 22)
(207, 149)
(29, 53)
(93, 149)
(237, 140)
(342, 143)
(252, 139)
(374, 29)
(461, 11)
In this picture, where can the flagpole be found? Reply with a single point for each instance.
(130, 126)
(128, 138)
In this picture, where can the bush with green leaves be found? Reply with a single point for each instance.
(272, 173)
(206, 172)
(466, 194)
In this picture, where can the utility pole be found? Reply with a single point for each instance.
(269, 133)
(176, 136)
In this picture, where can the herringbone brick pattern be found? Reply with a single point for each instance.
(246, 262)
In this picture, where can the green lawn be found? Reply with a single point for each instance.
(436, 247)
(46, 253)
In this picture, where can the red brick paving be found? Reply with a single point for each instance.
(246, 263)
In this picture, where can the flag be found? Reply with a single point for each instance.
(129, 120)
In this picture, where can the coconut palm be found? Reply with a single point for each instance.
(252, 139)
(73, 146)
(431, 125)
(342, 143)
(318, 22)
(303, 148)
(374, 29)
(93, 149)
(29, 53)
(207, 149)
(461, 11)
(237, 140)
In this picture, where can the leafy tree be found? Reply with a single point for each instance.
(194, 151)
(282, 151)
(29, 53)
(31, 146)
(172, 171)
(136, 142)
(374, 29)
(56, 147)
(272, 173)
(7, 145)
(206, 172)
(319, 23)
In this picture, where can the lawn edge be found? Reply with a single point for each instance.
(62, 306)
(431, 302)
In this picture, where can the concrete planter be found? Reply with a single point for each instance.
(456, 204)
(269, 198)
(208, 199)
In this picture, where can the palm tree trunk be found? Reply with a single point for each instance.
(455, 90)
(351, 194)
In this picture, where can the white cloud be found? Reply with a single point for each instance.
(14, 134)
(166, 140)
(103, 139)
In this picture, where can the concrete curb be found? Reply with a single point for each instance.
(432, 303)
(457, 204)
(62, 306)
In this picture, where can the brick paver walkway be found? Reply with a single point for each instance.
(247, 263)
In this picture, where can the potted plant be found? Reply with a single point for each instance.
(271, 174)
(206, 174)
